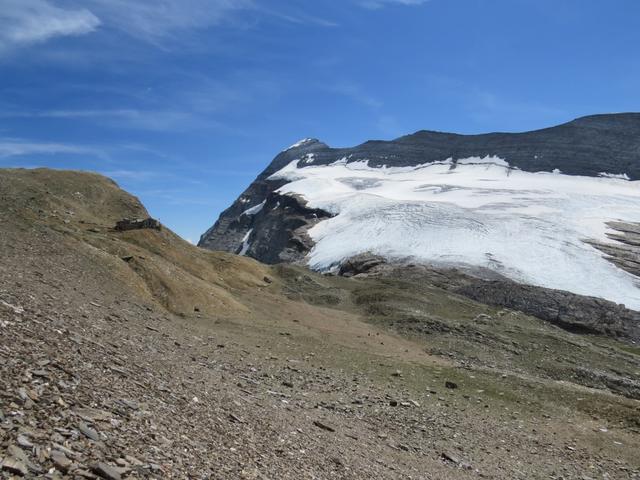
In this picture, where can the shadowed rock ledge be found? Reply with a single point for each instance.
(625, 252)
(574, 313)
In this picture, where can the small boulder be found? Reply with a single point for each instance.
(14, 466)
(106, 471)
(60, 460)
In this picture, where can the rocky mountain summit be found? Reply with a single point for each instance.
(131, 354)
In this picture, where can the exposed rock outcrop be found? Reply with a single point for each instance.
(360, 264)
(624, 251)
(575, 313)
(276, 229)
(138, 224)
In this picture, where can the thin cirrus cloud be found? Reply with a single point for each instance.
(24, 22)
(355, 93)
(129, 118)
(153, 20)
(197, 102)
(375, 4)
(386, 124)
(16, 148)
(27, 22)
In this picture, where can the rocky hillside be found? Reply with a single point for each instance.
(133, 354)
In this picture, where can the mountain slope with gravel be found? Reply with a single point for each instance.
(133, 354)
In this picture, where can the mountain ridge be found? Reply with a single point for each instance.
(315, 145)
(572, 147)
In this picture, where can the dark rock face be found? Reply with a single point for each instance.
(138, 224)
(575, 313)
(586, 146)
(275, 233)
(279, 229)
(360, 264)
(625, 253)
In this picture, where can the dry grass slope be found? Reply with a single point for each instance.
(85, 207)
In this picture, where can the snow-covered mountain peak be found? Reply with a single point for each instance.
(556, 207)
(478, 212)
(305, 142)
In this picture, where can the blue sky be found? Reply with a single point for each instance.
(184, 102)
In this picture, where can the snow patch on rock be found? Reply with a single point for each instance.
(254, 210)
(300, 143)
(621, 176)
(245, 243)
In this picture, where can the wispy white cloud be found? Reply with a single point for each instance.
(131, 118)
(297, 17)
(16, 147)
(176, 197)
(24, 22)
(163, 23)
(196, 102)
(140, 148)
(72, 113)
(356, 93)
(154, 174)
(155, 20)
(386, 124)
(138, 175)
(490, 108)
(375, 4)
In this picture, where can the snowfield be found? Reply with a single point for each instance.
(476, 212)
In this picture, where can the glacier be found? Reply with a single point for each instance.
(475, 212)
